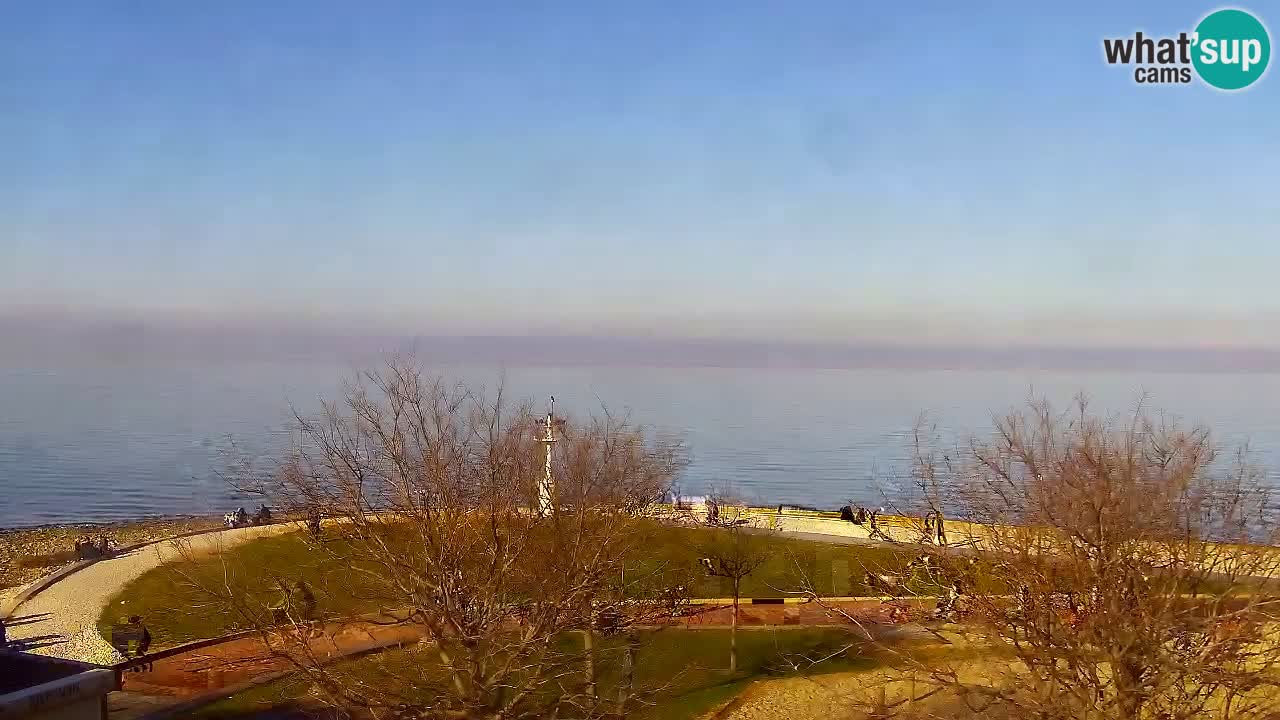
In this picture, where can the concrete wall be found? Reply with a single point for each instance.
(78, 697)
(900, 529)
(83, 709)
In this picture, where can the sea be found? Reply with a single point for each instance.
(84, 442)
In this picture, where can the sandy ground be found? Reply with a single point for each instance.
(850, 695)
(827, 697)
(62, 620)
(817, 698)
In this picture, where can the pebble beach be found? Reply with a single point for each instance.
(30, 553)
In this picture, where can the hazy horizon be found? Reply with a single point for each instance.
(34, 338)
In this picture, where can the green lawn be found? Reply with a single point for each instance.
(686, 664)
(832, 569)
(174, 607)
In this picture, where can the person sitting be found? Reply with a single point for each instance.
(263, 516)
(242, 517)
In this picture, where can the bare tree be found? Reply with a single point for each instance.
(733, 552)
(430, 494)
(1113, 571)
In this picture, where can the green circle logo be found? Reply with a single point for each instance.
(1232, 49)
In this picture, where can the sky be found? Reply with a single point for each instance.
(923, 174)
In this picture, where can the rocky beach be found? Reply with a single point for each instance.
(29, 553)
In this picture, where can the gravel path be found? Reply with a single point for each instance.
(62, 621)
(803, 698)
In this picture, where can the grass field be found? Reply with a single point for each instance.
(685, 664)
(176, 610)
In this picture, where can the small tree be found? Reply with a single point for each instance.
(1113, 571)
(734, 552)
(432, 498)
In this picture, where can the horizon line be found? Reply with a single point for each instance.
(123, 340)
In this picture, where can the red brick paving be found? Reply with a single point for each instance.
(237, 661)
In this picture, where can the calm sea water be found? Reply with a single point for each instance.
(103, 443)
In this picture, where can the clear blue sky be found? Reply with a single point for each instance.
(920, 172)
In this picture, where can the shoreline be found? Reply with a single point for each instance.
(90, 524)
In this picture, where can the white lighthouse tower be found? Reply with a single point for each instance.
(547, 488)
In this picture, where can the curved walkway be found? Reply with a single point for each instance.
(62, 619)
